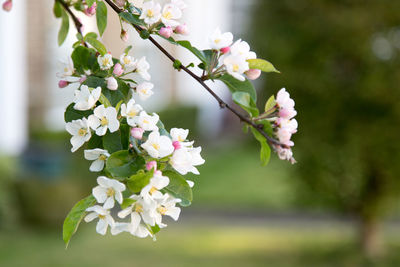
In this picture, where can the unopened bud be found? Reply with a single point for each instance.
(90, 11)
(118, 70)
(83, 79)
(150, 165)
(112, 83)
(176, 145)
(7, 5)
(182, 29)
(124, 36)
(166, 32)
(253, 74)
(63, 83)
(137, 133)
(120, 3)
(225, 50)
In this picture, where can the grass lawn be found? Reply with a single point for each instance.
(193, 243)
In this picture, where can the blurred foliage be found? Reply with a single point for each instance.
(346, 87)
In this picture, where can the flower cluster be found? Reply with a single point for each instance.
(285, 125)
(165, 18)
(154, 155)
(233, 55)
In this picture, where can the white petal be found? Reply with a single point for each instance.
(100, 193)
(101, 227)
(97, 165)
(91, 216)
(109, 204)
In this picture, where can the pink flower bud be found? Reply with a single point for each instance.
(253, 74)
(7, 5)
(166, 32)
(158, 173)
(118, 70)
(90, 11)
(137, 133)
(182, 29)
(150, 165)
(83, 79)
(176, 145)
(225, 50)
(124, 36)
(63, 84)
(120, 3)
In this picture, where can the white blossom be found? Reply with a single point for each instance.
(112, 83)
(285, 104)
(130, 111)
(166, 206)
(144, 90)
(98, 156)
(103, 119)
(147, 122)
(127, 61)
(104, 216)
(86, 99)
(67, 69)
(151, 12)
(80, 131)
(179, 3)
(220, 40)
(142, 68)
(105, 62)
(108, 191)
(152, 191)
(158, 146)
(179, 135)
(185, 160)
(242, 48)
(170, 14)
(236, 66)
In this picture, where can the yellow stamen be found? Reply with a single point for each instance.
(180, 139)
(132, 113)
(150, 13)
(82, 132)
(110, 192)
(103, 121)
(162, 210)
(167, 15)
(102, 217)
(153, 190)
(156, 146)
(103, 158)
(236, 68)
(138, 208)
(217, 41)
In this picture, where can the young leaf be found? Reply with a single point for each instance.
(134, 19)
(62, 34)
(122, 164)
(138, 181)
(90, 2)
(179, 188)
(101, 17)
(112, 142)
(271, 103)
(244, 100)
(194, 50)
(265, 154)
(72, 114)
(57, 9)
(97, 45)
(75, 216)
(126, 51)
(127, 202)
(263, 65)
(235, 85)
(90, 35)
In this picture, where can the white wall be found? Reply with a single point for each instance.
(13, 80)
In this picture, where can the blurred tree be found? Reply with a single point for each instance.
(341, 62)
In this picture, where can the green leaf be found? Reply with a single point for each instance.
(62, 34)
(271, 103)
(265, 154)
(90, 2)
(138, 181)
(112, 142)
(263, 65)
(57, 9)
(72, 114)
(127, 203)
(90, 35)
(84, 59)
(179, 188)
(244, 100)
(75, 216)
(104, 101)
(194, 50)
(126, 51)
(101, 17)
(95, 142)
(235, 85)
(134, 19)
(123, 164)
(97, 45)
(94, 82)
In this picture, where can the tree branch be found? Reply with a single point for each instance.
(221, 103)
(77, 22)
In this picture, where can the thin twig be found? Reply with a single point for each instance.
(221, 103)
(77, 22)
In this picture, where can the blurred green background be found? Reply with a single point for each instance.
(337, 207)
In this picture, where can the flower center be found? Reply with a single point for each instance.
(103, 157)
(236, 68)
(110, 192)
(153, 190)
(82, 132)
(150, 13)
(167, 15)
(162, 210)
(217, 41)
(132, 113)
(180, 139)
(102, 217)
(126, 60)
(156, 146)
(103, 121)
(106, 61)
(138, 208)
